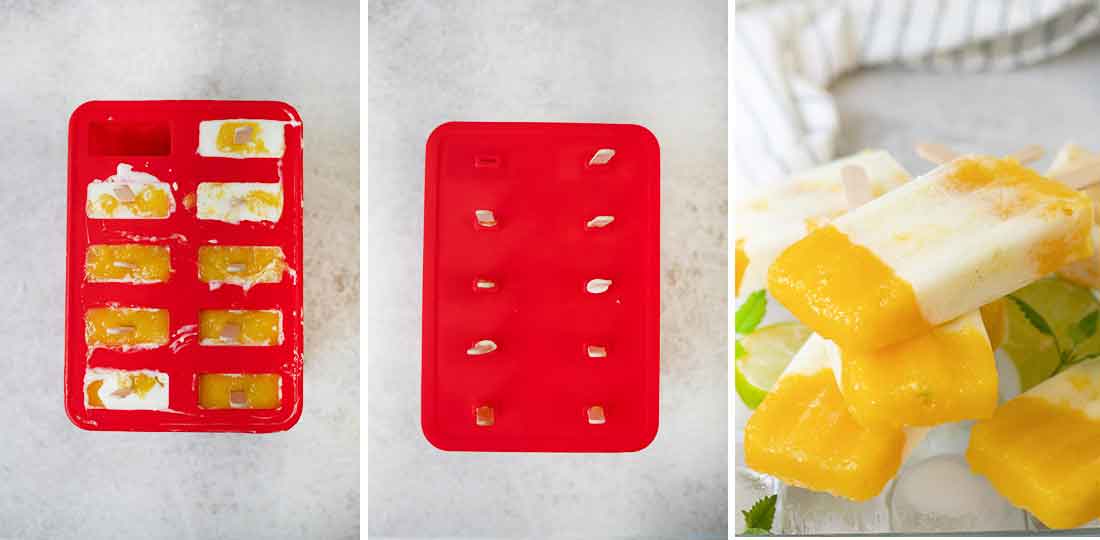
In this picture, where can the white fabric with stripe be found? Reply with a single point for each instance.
(788, 52)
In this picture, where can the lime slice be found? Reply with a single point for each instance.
(1061, 304)
(767, 351)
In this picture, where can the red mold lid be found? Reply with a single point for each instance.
(162, 139)
(541, 287)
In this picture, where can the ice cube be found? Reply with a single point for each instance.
(816, 513)
(940, 494)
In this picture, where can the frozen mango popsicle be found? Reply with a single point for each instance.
(125, 390)
(129, 194)
(1041, 450)
(236, 327)
(945, 375)
(803, 433)
(127, 263)
(959, 237)
(239, 390)
(126, 328)
(241, 138)
(769, 221)
(1085, 272)
(234, 202)
(241, 265)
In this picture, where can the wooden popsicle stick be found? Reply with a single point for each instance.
(1081, 177)
(238, 399)
(1029, 153)
(936, 153)
(857, 185)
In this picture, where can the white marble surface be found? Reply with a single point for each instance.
(59, 482)
(661, 64)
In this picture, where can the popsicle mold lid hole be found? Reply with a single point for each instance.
(483, 416)
(598, 285)
(231, 332)
(482, 284)
(484, 346)
(596, 415)
(487, 162)
(601, 157)
(123, 264)
(599, 222)
(235, 268)
(238, 399)
(597, 351)
(116, 330)
(485, 218)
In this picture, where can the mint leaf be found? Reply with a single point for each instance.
(750, 313)
(1085, 328)
(738, 350)
(753, 531)
(761, 515)
(1033, 317)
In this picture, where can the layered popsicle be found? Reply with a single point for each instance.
(1085, 272)
(804, 434)
(770, 221)
(1041, 450)
(946, 375)
(947, 243)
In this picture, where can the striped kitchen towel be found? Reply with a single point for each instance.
(788, 52)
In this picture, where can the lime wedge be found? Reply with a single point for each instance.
(767, 351)
(1061, 304)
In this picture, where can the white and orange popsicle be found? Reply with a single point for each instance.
(1070, 159)
(942, 245)
(1041, 450)
(804, 434)
(946, 375)
(768, 222)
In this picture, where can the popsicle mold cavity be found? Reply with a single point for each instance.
(244, 266)
(234, 202)
(126, 328)
(240, 391)
(127, 263)
(129, 194)
(114, 138)
(241, 138)
(240, 327)
(125, 390)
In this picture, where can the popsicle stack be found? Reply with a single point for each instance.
(904, 293)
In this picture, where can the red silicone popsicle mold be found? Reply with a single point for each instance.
(524, 348)
(161, 138)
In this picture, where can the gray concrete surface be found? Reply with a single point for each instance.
(59, 482)
(657, 63)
